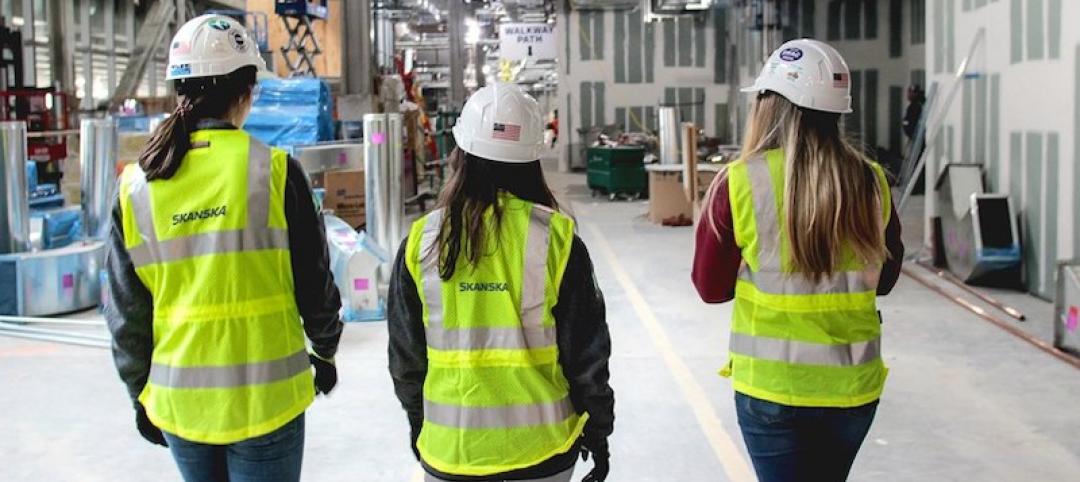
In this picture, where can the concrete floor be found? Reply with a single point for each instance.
(965, 400)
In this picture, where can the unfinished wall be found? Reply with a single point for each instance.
(617, 69)
(1018, 113)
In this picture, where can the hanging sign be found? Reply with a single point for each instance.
(532, 41)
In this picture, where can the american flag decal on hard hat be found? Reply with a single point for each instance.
(840, 81)
(506, 132)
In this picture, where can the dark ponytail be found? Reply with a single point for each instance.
(471, 190)
(197, 99)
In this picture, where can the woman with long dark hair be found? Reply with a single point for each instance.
(216, 254)
(801, 233)
(498, 343)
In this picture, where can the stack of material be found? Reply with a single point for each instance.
(292, 112)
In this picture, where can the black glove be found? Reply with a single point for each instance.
(601, 457)
(325, 375)
(414, 436)
(147, 429)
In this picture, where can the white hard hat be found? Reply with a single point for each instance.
(213, 45)
(808, 73)
(501, 123)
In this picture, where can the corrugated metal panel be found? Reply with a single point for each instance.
(650, 119)
(981, 104)
(650, 47)
(600, 114)
(1016, 30)
(1033, 164)
(967, 124)
(918, 22)
(994, 157)
(586, 105)
(832, 20)
(950, 35)
(598, 35)
(1053, 29)
(723, 124)
(853, 19)
(621, 119)
(699, 41)
(637, 119)
(699, 107)
(809, 28)
(939, 35)
(684, 30)
(720, 46)
(669, 43)
(896, 117)
(634, 74)
(1035, 30)
(855, 118)
(1050, 198)
(896, 28)
(585, 45)
(870, 106)
(871, 17)
(620, 48)
(1016, 170)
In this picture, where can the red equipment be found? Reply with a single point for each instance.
(43, 110)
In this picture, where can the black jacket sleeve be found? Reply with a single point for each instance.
(408, 344)
(890, 271)
(317, 296)
(129, 313)
(584, 342)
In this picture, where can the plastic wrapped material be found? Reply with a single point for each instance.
(59, 227)
(354, 260)
(31, 176)
(292, 112)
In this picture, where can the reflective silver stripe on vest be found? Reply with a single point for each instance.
(776, 283)
(766, 218)
(511, 416)
(531, 334)
(230, 376)
(213, 242)
(255, 236)
(804, 353)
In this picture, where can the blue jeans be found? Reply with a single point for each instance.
(802, 443)
(274, 457)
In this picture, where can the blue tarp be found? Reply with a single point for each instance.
(60, 227)
(292, 112)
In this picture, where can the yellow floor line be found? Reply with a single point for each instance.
(723, 445)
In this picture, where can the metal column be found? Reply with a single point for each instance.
(97, 159)
(455, 26)
(15, 199)
(356, 60)
(396, 172)
(62, 54)
(376, 163)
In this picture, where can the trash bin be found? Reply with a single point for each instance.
(617, 171)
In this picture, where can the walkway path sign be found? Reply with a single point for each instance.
(527, 41)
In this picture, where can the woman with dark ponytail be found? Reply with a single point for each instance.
(218, 271)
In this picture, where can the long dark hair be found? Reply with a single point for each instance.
(471, 190)
(197, 99)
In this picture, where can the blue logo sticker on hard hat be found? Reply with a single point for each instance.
(219, 24)
(791, 54)
(179, 70)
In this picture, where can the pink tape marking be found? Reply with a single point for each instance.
(1072, 322)
(361, 284)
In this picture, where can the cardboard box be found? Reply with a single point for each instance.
(345, 196)
(667, 197)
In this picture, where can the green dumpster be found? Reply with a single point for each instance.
(617, 171)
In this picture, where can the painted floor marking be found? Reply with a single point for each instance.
(723, 445)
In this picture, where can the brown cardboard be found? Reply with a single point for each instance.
(667, 196)
(345, 196)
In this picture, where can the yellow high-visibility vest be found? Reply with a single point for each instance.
(794, 342)
(495, 397)
(211, 245)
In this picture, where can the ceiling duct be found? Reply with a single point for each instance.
(605, 4)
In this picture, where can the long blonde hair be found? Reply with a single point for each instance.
(832, 197)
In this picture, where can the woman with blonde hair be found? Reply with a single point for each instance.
(801, 233)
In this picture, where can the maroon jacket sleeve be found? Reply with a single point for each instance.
(717, 258)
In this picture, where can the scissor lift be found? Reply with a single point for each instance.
(303, 46)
